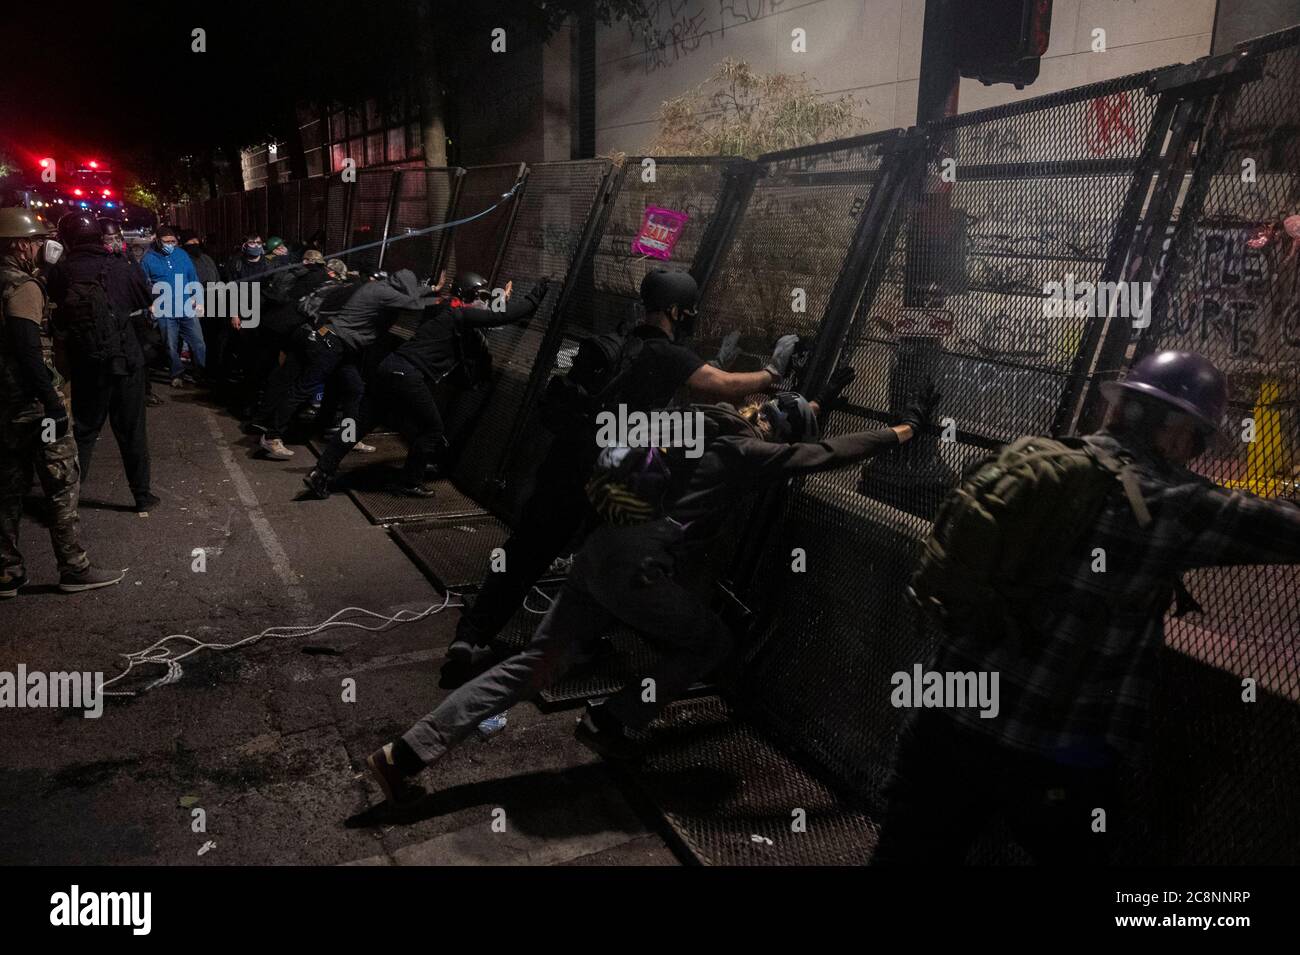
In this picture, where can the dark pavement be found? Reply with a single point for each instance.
(259, 737)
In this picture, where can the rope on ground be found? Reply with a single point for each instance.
(541, 593)
(164, 653)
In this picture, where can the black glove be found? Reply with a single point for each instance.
(840, 379)
(919, 412)
(779, 363)
(538, 292)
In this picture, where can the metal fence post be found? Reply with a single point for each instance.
(1193, 90)
(394, 184)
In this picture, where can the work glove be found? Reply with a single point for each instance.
(920, 409)
(538, 292)
(840, 379)
(779, 363)
(727, 351)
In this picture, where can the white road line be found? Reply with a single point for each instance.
(261, 526)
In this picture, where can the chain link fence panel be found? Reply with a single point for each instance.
(1226, 773)
(1009, 201)
(553, 219)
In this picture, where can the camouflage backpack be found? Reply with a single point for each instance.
(14, 400)
(1002, 537)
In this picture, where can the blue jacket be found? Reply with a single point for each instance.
(167, 268)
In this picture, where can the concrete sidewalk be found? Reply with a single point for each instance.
(260, 738)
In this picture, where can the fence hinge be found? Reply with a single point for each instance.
(1209, 74)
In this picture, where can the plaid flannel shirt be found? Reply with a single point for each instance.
(1077, 686)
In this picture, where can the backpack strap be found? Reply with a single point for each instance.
(1123, 469)
(611, 386)
(1184, 602)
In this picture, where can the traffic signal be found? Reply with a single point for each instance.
(1001, 41)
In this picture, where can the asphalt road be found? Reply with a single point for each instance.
(260, 737)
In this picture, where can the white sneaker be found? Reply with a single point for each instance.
(362, 448)
(274, 449)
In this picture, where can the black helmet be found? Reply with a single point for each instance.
(109, 227)
(79, 228)
(468, 286)
(662, 289)
(791, 418)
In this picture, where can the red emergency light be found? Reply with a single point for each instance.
(93, 164)
(78, 192)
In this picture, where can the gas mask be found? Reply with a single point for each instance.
(51, 251)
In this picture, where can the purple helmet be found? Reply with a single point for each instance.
(1183, 380)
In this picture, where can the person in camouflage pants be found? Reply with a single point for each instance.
(35, 439)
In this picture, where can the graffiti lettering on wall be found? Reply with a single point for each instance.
(732, 13)
(1109, 122)
(680, 29)
(992, 144)
(1037, 223)
(1243, 304)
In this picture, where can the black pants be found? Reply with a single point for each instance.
(553, 516)
(313, 358)
(949, 783)
(397, 389)
(118, 399)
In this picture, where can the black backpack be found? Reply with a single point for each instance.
(318, 305)
(282, 287)
(600, 366)
(87, 321)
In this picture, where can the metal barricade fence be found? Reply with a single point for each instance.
(999, 203)
(338, 208)
(423, 198)
(255, 211)
(553, 221)
(605, 289)
(1225, 774)
(962, 252)
(313, 197)
(367, 217)
(476, 246)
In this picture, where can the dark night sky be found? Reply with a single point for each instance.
(103, 78)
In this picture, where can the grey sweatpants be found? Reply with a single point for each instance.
(626, 575)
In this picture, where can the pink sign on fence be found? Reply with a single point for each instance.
(659, 232)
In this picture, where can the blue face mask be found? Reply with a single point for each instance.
(168, 247)
(252, 251)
